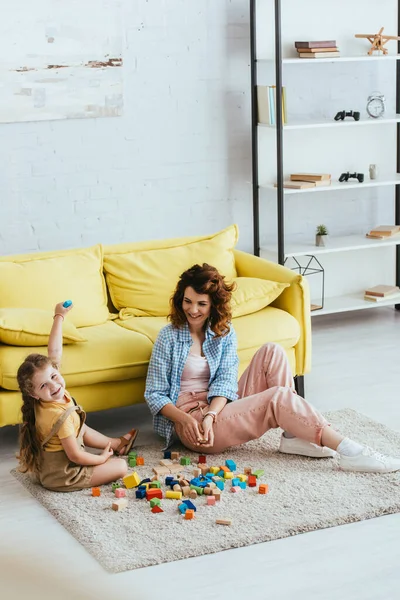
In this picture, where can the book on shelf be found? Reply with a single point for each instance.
(316, 44)
(311, 50)
(380, 291)
(297, 185)
(319, 55)
(266, 103)
(394, 296)
(384, 231)
(317, 177)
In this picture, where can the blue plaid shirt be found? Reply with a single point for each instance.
(167, 361)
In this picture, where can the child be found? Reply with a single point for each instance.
(53, 434)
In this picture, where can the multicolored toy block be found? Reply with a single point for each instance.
(96, 491)
(263, 488)
(132, 480)
(173, 495)
(252, 481)
(185, 460)
(175, 455)
(223, 522)
(119, 504)
(202, 459)
(259, 473)
(231, 465)
(120, 493)
(155, 493)
(155, 502)
(140, 493)
(140, 461)
(211, 501)
(235, 489)
(115, 485)
(157, 509)
(189, 514)
(167, 454)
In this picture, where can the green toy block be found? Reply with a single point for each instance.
(115, 485)
(131, 461)
(155, 484)
(258, 473)
(185, 460)
(198, 489)
(155, 502)
(132, 454)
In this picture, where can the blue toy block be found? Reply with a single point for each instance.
(242, 484)
(231, 465)
(182, 508)
(190, 504)
(173, 482)
(67, 303)
(235, 481)
(220, 485)
(140, 493)
(221, 473)
(167, 454)
(209, 475)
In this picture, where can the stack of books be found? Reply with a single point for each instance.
(383, 232)
(302, 181)
(320, 49)
(266, 103)
(379, 293)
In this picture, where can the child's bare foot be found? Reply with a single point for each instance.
(123, 444)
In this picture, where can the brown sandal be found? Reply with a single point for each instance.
(125, 445)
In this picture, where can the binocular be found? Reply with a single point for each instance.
(342, 114)
(347, 176)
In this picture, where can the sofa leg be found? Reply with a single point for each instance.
(299, 385)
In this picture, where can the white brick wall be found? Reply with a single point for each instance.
(176, 163)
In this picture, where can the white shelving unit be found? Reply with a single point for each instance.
(319, 146)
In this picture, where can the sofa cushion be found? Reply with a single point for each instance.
(143, 280)
(42, 280)
(253, 294)
(111, 353)
(31, 327)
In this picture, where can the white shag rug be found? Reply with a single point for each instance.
(305, 494)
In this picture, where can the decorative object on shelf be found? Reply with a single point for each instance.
(319, 49)
(342, 114)
(377, 40)
(321, 235)
(373, 171)
(347, 176)
(266, 104)
(376, 105)
(313, 267)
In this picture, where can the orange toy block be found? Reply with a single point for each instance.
(153, 493)
(96, 491)
(189, 514)
(139, 461)
(263, 488)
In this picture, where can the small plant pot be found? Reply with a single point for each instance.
(321, 240)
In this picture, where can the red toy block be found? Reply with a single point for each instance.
(154, 493)
(156, 509)
(96, 491)
(252, 481)
(202, 459)
(120, 493)
(263, 488)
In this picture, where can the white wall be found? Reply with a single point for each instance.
(176, 163)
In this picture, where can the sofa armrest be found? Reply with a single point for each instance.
(295, 299)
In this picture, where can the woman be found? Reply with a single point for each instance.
(192, 388)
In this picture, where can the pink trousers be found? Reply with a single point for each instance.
(267, 399)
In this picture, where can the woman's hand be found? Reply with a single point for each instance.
(208, 432)
(191, 429)
(60, 309)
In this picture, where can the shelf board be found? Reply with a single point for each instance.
(354, 58)
(350, 302)
(335, 244)
(345, 185)
(349, 122)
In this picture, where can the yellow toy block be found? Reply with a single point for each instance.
(173, 495)
(228, 475)
(242, 477)
(132, 480)
(214, 470)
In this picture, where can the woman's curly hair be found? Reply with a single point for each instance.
(204, 279)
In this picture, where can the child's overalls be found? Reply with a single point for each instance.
(57, 472)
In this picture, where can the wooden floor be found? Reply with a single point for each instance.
(356, 363)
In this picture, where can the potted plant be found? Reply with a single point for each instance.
(321, 235)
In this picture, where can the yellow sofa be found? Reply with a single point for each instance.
(121, 296)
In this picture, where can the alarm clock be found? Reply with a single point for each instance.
(376, 105)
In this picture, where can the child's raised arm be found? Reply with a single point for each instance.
(54, 348)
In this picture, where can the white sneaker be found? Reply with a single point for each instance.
(369, 461)
(303, 448)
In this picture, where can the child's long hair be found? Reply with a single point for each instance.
(29, 443)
